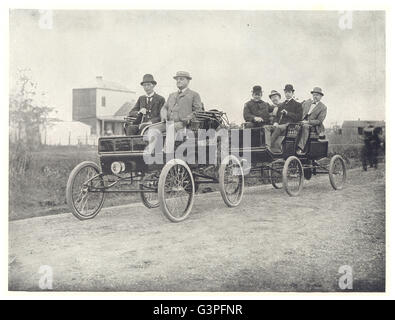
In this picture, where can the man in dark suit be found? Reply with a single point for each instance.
(147, 108)
(290, 111)
(314, 113)
(256, 113)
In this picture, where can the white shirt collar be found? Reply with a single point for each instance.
(150, 95)
(183, 90)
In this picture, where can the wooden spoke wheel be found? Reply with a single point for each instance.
(276, 176)
(176, 190)
(150, 182)
(83, 190)
(293, 176)
(231, 181)
(337, 172)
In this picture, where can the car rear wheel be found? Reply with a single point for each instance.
(231, 181)
(337, 172)
(150, 182)
(276, 177)
(293, 176)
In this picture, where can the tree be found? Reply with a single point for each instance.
(28, 115)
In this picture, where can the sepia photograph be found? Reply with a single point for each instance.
(176, 151)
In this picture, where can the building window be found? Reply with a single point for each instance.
(103, 101)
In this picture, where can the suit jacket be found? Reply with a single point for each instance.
(153, 108)
(294, 109)
(317, 116)
(256, 109)
(181, 106)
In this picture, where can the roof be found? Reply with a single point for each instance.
(124, 109)
(363, 123)
(100, 83)
(112, 118)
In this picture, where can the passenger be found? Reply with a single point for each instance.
(290, 111)
(256, 113)
(275, 97)
(180, 106)
(314, 114)
(147, 108)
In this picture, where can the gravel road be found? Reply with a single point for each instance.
(271, 242)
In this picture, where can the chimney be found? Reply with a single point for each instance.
(99, 78)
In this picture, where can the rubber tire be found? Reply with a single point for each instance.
(69, 191)
(146, 203)
(161, 190)
(221, 173)
(285, 176)
(331, 178)
(275, 186)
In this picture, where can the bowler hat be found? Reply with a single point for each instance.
(274, 93)
(183, 74)
(257, 89)
(148, 78)
(317, 90)
(289, 87)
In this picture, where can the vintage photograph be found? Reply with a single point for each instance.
(197, 151)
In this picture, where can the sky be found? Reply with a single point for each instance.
(226, 52)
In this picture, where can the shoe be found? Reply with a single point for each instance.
(300, 152)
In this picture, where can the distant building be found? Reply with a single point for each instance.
(351, 130)
(67, 133)
(103, 106)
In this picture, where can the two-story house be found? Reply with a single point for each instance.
(103, 106)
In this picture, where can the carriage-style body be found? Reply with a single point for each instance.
(171, 184)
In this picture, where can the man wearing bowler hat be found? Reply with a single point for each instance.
(256, 113)
(290, 111)
(147, 108)
(314, 113)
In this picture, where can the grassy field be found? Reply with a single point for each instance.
(40, 190)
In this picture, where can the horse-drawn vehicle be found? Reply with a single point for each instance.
(172, 185)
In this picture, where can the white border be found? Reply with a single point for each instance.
(190, 5)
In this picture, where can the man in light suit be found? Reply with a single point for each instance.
(314, 114)
(181, 106)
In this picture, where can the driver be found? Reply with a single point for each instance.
(147, 108)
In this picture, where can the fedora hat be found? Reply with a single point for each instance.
(274, 93)
(148, 78)
(317, 90)
(289, 87)
(183, 74)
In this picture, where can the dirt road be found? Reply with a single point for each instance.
(271, 242)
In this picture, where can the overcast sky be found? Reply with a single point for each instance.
(226, 52)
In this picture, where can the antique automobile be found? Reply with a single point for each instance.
(170, 186)
(287, 169)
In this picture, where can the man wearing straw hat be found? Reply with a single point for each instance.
(314, 113)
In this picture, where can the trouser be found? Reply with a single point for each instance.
(304, 136)
(267, 129)
(275, 138)
(134, 129)
(161, 127)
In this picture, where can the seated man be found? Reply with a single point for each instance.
(314, 113)
(290, 111)
(181, 106)
(147, 108)
(275, 97)
(256, 113)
